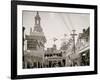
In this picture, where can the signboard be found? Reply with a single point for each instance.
(31, 44)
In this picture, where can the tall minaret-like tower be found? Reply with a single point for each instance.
(35, 45)
(37, 27)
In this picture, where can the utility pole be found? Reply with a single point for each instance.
(73, 36)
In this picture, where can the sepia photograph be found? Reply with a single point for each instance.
(55, 39)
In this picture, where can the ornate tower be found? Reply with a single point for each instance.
(36, 39)
(35, 45)
(37, 27)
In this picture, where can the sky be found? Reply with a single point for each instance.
(56, 24)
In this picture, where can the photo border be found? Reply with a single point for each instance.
(14, 4)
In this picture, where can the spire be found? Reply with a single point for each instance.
(37, 26)
(37, 18)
